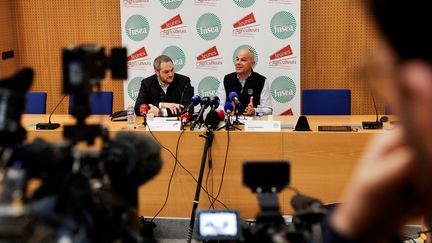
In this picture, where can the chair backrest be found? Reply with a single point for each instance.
(35, 103)
(101, 103)
(326, 102)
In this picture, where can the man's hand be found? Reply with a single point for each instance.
(175, 108)
(250, 110)
(154, 110)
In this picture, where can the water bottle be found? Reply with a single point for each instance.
(130, 115)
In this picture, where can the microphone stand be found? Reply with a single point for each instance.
(228, 125)
(209, 140)
(236, 113)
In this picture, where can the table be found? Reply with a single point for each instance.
(321, 162)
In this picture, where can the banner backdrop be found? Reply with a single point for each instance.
(203, 36)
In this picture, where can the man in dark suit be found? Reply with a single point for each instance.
(164, 92)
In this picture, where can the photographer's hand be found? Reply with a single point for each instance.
(382, 194)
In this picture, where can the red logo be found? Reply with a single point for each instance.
(284, 52)
(209, 59)
(140, 53)
(212, 52)
(247, 20)
(174, 21)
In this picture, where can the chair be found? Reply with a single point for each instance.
(35, 103)
(326, 102)
(101, 103)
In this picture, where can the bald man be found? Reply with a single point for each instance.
(251, 87)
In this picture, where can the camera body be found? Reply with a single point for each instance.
(82, 196)
(266, 179)
(85, 66)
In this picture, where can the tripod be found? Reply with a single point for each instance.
(209, 140)
(230, 126)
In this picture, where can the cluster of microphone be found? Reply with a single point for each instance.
(196, 119)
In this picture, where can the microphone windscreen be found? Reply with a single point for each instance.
(205, 102)
(196, 99)
(228, 107)
(212, 120)
(184, 117)
(232, 95)
(214, 102)
(132, 159)
(221, 114)
(144, 109)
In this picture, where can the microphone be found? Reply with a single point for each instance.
(212, 120)
(143, 109)
(194, 101)
(184, 119)
(228, 109)
(234, 97)
(214, 103)
(373, 124)
(205, 102)
(49, 125)
(221, 115)
(183, 91)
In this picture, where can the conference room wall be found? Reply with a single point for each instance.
(335, 37)
(7, 40)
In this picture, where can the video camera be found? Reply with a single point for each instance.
(83, 196)
(265, 179)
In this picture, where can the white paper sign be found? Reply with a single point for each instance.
(262, 126)
(161, 125)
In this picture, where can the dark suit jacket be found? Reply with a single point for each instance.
(179, 91)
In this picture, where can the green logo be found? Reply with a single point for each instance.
(244, 3)
(208, 26)
(283, 89)
(242, 47)
(208, 86)
(283, 25)
(171, 4)
(134, 87)
(137, 27)
(177, 55)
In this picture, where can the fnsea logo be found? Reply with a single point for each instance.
(173, 28)
(242, 47)
(171, 4)
(133, 87)
(246, 26)
(139, 59)
(283, 25)
(283, 89)
(208, 26)
(135, 3)
(208, 86)
(244, 3)
(209, 59)
(177, 55)
(283, 58)
(137, 27)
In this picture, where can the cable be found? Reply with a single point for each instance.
(184, 168)
(223, 170)
(293, 189)
(170, 179)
